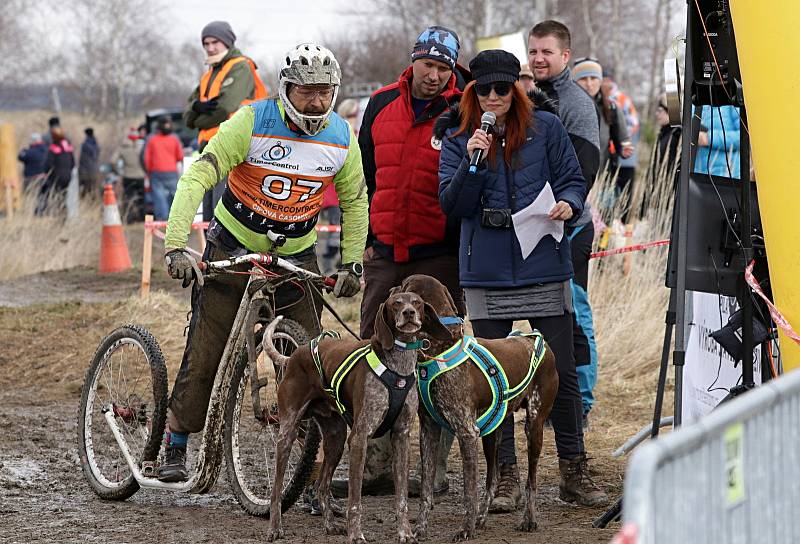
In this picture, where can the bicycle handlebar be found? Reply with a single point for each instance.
(266, 259)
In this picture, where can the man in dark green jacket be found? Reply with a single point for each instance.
(230, 82)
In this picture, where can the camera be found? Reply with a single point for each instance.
(496, 218)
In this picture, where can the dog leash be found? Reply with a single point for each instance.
(338, 318)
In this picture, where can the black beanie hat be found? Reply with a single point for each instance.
(220, 30)
(494, 65)
(54, 122)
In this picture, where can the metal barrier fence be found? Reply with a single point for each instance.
(733, 477)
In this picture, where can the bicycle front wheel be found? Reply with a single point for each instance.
(128, 378)
(252, 424)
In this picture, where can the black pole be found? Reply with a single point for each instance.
(747, 250)
(681, 233)
(662, 372)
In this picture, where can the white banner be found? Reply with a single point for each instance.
(706, 359)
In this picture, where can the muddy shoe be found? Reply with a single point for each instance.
(310, 504)
(440, 485)
(576, 484)
(173, 469)
(508, 494)
(382, 484)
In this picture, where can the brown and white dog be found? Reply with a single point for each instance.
(461, 394)
(302, 394)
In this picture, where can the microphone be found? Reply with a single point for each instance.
(488, 120)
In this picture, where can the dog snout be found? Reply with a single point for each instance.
(408, 319)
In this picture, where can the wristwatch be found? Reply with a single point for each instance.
(354, 268)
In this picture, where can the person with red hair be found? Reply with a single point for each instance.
(527, 153)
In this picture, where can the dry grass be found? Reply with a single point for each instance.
(109, 132)
(35, 244)
(51, 345)
(629, 308)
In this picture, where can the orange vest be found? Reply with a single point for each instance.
(210, 92)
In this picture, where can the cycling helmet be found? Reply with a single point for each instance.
(309, 64)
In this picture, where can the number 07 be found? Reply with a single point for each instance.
(285, 188)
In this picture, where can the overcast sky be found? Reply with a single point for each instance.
(265, 29)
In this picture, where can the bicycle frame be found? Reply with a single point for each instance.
(209, 458)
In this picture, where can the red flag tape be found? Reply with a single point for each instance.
(776, 315)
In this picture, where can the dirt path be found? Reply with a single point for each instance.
(78, 284)
(44, 498)
(43, 494)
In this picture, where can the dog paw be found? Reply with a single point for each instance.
(464, 534)
(357, 540)
(406, 539)
(527, 526)
(274, 534)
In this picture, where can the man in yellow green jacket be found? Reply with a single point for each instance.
(279, 155)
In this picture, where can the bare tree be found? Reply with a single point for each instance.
(588, 26)
(17, 47)
(124, 55)
(661, 20)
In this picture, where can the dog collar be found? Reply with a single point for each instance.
(419, 344)
(454, 320)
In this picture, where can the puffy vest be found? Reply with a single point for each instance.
(210, 90)
(280, 184)
(404, 210)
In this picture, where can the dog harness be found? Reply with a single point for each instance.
(468, 349)
(398, 386)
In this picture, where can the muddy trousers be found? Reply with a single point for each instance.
(567, 411)
(380, 275)
(214, 308)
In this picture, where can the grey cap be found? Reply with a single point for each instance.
(220, 30)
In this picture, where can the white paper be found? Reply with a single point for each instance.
(531, 223)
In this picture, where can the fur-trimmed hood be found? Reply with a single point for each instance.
(452, 117)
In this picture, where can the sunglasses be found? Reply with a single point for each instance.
(501, 88)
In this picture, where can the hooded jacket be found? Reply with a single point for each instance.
(401, 164)
(491, 257)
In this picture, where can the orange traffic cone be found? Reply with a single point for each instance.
(114, 255)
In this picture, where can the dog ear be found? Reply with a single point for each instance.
(383, 333)
(433, 326)
(450, 299)
(395, 289)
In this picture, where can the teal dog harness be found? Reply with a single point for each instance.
(398, 386)
(468, 349)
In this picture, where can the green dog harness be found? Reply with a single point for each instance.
(398, 386)
(468, 349)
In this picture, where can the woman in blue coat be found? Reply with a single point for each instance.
(524, 152)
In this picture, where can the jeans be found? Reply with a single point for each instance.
(163, 185)
(580, 239)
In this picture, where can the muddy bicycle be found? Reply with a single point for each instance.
(124, 402)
